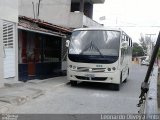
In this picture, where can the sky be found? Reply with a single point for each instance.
(133, 16)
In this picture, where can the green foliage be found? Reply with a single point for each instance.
(158, 55)
(143, 43)
(137, 50)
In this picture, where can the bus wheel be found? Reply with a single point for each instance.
(125, 80)
(117, 87)
(127, 77)
(121, 78)
(73, 83)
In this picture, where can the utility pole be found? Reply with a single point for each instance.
(150, 45)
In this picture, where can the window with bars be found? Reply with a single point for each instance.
(8, 34)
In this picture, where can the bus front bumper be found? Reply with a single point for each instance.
(103, 77)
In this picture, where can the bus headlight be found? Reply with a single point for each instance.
(114, 68)
(70, 66)
(74, 68)
(109, 69)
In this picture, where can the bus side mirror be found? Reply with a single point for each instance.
(124, 44)
(67, 43)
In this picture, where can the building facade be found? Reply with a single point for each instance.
(41, 49)
(8, 40)
(42, 55)
(67, 13)
(27, 52)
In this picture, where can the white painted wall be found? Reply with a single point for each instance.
(56, 12)
(8, 12)
(1, 55)
(89, 22)
(53, 11)
(76, 19)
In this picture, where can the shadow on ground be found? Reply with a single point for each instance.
(97, 86)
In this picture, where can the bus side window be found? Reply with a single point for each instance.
(126, 38)
(123, 37)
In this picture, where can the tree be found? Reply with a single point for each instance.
(144, 42)
(158, 55)
(137, 50)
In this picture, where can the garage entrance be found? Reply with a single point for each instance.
(41, 49)
(39, 55)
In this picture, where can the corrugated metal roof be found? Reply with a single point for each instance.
(39, 25)
(90, 1)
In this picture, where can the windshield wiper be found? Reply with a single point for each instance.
(97, 49)
(92, 45)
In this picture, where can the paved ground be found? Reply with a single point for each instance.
(159, 92)
(86, 97)
(19, 93)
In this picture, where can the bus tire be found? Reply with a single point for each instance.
(127, 77)
(73, 83)
(125, 80)
(116, 87)
(121, 78)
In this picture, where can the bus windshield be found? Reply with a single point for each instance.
(95, 43)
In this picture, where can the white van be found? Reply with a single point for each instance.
(146, 61)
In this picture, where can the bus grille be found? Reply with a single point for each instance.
(86, 69)
(94, 78)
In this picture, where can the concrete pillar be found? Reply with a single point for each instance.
(1, 54)
(8, 12)
(16, 52)
(81, 5)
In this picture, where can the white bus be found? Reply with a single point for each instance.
(99, 55)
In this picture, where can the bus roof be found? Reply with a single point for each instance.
(99, 28)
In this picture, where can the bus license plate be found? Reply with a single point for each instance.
(90, 75)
